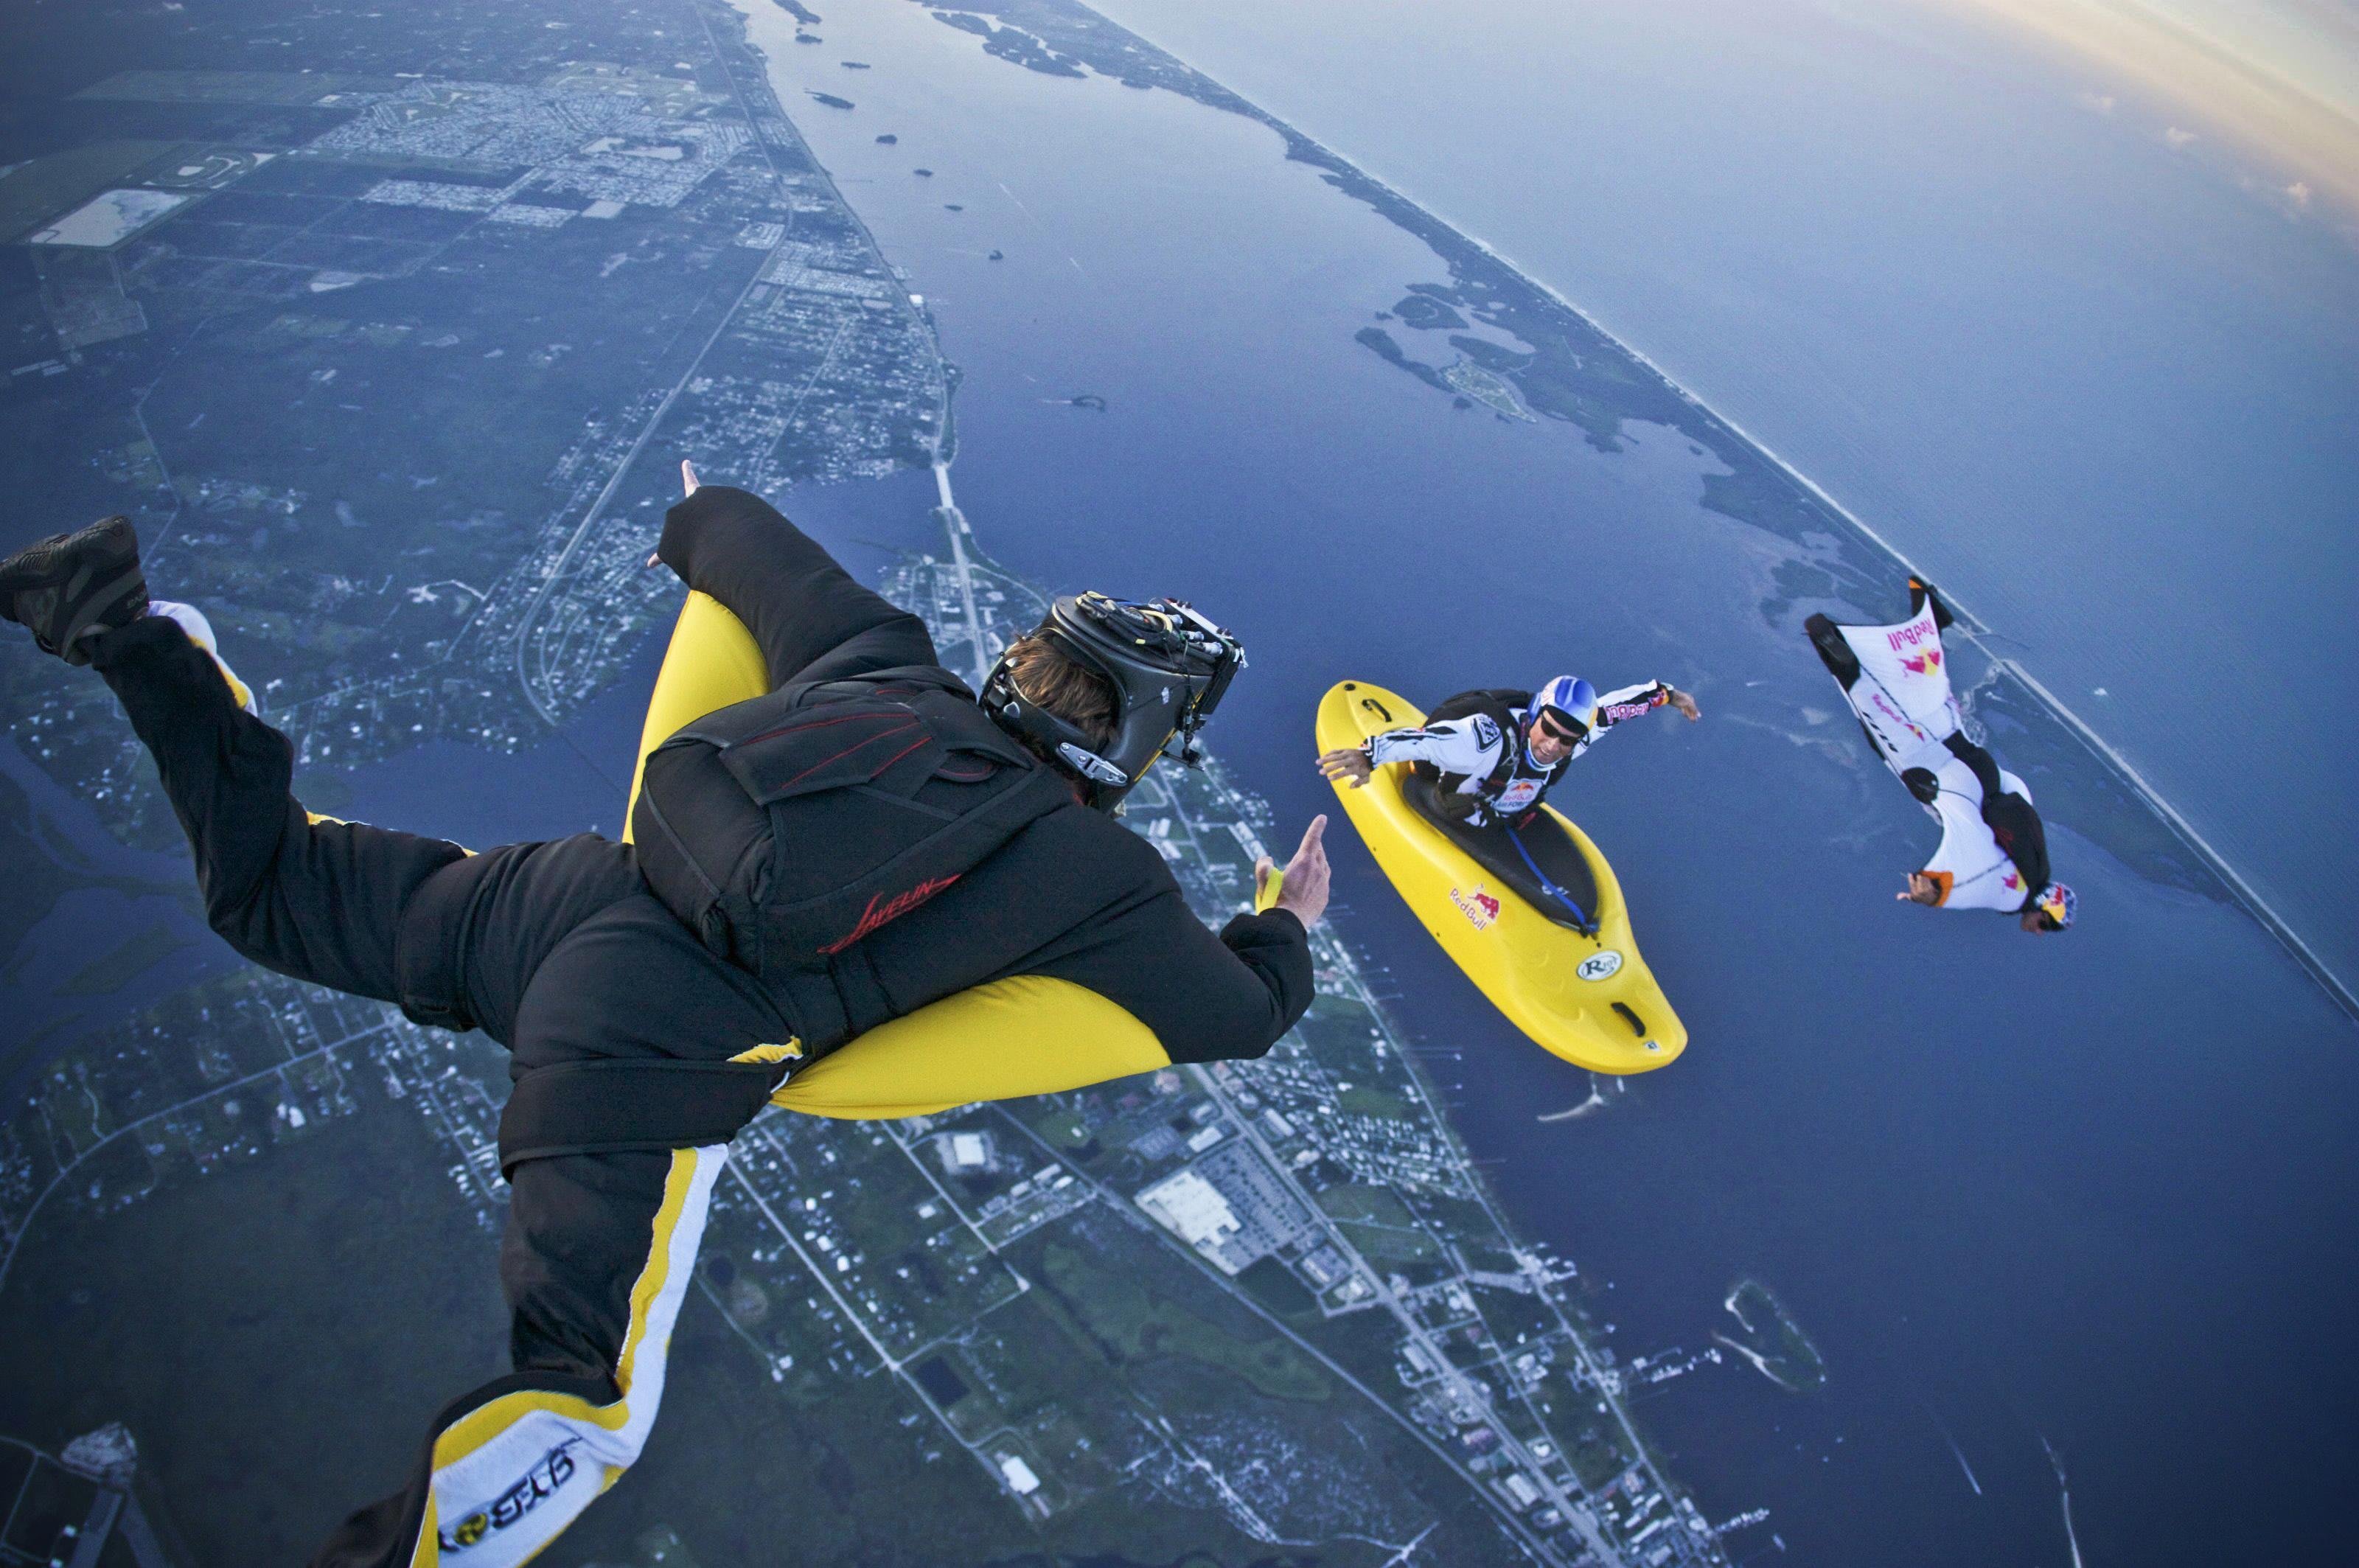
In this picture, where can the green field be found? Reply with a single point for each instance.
(1272, 1284)
(1375, 1222)
(46, 188)
(1360, 1100)
(1125, 1322)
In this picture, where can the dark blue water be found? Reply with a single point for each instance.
(2093, 1190)
(58, 983)
(2103, 387)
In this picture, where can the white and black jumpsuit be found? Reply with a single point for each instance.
(1994, 848)
(637, 1053)
(1478, 745)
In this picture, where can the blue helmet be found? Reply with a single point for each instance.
(1570, 701)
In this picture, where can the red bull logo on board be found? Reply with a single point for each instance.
(1479, 908)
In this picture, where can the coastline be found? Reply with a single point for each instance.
(2109, 757)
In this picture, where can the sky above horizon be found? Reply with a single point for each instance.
(2277, 79)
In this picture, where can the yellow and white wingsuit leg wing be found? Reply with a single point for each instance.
(509, 1465)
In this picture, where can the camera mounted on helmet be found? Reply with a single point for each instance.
(1169, 666)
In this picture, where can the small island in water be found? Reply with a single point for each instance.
(1772, 1340)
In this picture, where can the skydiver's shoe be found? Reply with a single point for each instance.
(191, 620)
(70, 586)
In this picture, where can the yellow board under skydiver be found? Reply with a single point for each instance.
(1001, 1042)
(1586, 996)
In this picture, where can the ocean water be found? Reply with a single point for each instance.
(2091, 1193)
(2100, 382)
(63, 977)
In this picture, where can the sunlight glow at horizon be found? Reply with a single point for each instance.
(2274, 78)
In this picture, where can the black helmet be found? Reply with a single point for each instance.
(1169, 666)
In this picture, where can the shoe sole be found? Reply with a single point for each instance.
(59, 571)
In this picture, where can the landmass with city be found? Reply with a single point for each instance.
(373, 357)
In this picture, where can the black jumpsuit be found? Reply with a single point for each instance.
(558, 952)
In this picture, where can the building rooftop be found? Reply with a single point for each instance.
(1190, 1208)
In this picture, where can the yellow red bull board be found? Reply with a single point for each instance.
(1590, 1000)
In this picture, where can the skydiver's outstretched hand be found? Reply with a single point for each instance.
(1349, 763)
(688, 483)
(1304, 892)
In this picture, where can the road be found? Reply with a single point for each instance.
(954, 525)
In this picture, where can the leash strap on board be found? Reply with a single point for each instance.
(1548, 884)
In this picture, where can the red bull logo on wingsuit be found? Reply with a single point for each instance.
(1925, 664)
(1915, 632)
(1884, 706)
(1479, 908)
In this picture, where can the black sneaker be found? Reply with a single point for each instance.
(70, 585)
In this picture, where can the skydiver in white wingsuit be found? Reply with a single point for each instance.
(1994, 848)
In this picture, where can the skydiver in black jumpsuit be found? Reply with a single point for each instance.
(637, 1053)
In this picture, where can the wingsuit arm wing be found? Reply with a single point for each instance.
(2007, 809)
(1469, 746)
(2018, 831)
(1630, 702)
(1920, 594)
(1203, 996)
(598, 1257)
(1273, 948)
(1089, 1018)
(812, 620)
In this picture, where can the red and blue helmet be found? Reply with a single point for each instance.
(1570, 701)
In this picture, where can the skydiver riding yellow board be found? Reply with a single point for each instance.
(1453, 808)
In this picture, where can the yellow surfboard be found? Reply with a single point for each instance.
(1589, 999)
(1029, 1035)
